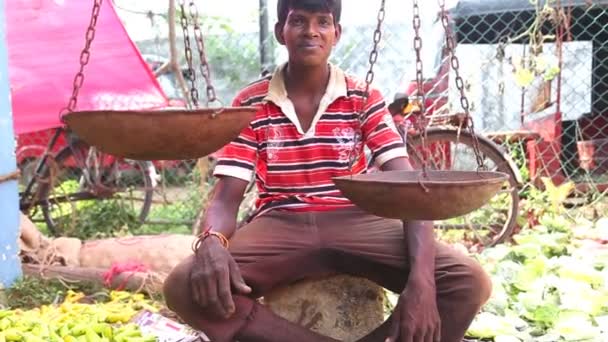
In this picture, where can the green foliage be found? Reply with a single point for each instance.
(118, 216)
(98, 219)
(180, 213)
(546, 287)
(517, 151)
(544, 204)
(234, 59)
(31, 292)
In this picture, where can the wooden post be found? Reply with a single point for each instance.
(173, 56)
(10, 268)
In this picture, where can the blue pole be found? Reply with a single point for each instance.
(10, 268)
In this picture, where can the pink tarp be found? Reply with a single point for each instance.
(45, 38)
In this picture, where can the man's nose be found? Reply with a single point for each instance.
(312, 30)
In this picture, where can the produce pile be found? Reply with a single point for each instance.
(550, 285)
(77, 320)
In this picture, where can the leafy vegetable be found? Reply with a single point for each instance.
(550, 285)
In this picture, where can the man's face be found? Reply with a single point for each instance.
(308, 36)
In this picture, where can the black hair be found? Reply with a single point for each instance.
(332, 6)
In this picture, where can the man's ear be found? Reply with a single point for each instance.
(278, 33)
(338, 33)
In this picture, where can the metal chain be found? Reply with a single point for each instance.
(369, 78)
(200, 43)
(85, 56)
(455, 63)
(422, 121)
(373, 55)
(188, 53)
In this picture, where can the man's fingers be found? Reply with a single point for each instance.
(223, 291)
(395, 324)
(237, 279)
(437, 334)
(213, 300)
(424, 335)
(202, 292)
(196, 293)
(407, 335)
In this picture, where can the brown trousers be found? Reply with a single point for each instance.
(281, 247)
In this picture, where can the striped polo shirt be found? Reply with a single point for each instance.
(293, 168)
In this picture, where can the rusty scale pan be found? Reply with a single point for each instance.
(412, 195)
(174, 134)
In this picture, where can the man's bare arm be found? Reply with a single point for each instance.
(214, 272)
(417, 314)
(224, 206)
(419, 233)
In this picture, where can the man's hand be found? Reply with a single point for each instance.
(416, 318)
(213, 274)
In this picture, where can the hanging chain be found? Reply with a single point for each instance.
(188, 53)
(85, 56)
(369, 78)
(419, 65)
(464, 101)
(200, 44)
(422, 120)
(373, 55)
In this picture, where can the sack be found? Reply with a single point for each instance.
(343, 307)
(61, 251)
(157, 253)
(30, 238)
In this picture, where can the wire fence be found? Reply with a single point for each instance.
(535, 74)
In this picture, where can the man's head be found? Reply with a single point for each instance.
(309, 29)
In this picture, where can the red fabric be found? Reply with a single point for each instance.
(118, 269)
(45, 38)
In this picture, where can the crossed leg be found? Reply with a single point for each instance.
(282, 248)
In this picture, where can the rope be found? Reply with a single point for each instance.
(10, 177)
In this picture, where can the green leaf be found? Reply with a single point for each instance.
(579, 296)
(506, 272)
(545, 314)
(506, 338)
(524, 77)
(499, 301)
(551, 72)
(488, 325)
(530, 272)
(525, 252)
(580, 271)
(576, 326)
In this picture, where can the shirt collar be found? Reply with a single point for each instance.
(336, 86)
(277, 93)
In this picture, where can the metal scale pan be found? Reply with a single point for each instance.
(167, 134)
(414, 195)
(176, 134)
(422, 195)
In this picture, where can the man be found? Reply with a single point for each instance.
(302, 136)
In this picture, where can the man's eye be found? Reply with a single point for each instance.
(297, 21)
(324, 22)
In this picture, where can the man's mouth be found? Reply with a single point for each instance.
(307, 46)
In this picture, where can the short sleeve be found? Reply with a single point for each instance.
(237, 159)
(379, 131)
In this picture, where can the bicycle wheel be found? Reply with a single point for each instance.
(451, 150)
(118, 194)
